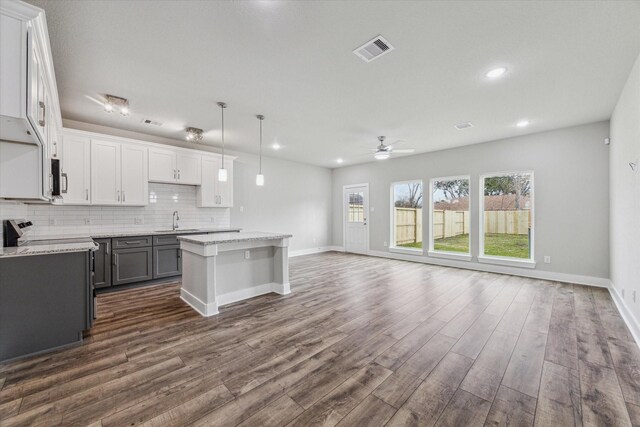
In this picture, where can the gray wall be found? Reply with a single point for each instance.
(571, 192)
(296, 199)
(625, 194)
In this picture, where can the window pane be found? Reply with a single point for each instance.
(450, 215)
(407, 215)
(508, 204)
(356, 207)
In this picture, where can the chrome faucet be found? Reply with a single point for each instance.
(176, 218)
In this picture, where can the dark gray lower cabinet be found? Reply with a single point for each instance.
(103, 263)
(131, 265)
(167, 261)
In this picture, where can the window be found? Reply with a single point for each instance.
(356, 207)
(406, 222)
(450, 219)
(507, 216)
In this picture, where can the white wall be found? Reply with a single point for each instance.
(625, 196)
(571, 194)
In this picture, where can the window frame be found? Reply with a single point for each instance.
(392, 220)
(502, 260)
(462, 256)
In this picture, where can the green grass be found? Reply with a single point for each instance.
(458, 243)
(417, 245)
(507, 245)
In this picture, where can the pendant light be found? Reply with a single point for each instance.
(260, 177)
(222, 172)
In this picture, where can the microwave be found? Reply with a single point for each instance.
(59, 180)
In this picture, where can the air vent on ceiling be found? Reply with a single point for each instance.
(150, 122)
(464, 125)
(373, 49)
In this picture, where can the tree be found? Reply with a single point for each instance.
(517, 184)
(411, 199)
(453, 189)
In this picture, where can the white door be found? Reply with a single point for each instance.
(135, 188)
(162, 165)
(105, 173)
(356, 214)
(76, 170)
(188, 168)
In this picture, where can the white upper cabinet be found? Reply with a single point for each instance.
(76, 170)
(175, 167)
(135, 187)
(162, 165)
(118, 174)
(188, 168)
(29, 102)
(105, 173)
(213, 193)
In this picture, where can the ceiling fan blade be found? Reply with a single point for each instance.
(404, 150)
(399, 141)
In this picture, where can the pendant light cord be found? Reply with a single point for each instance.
(222, 108)
(260, 146)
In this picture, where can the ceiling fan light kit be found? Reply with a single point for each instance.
(222, 172)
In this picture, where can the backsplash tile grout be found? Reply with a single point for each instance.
(157, 215)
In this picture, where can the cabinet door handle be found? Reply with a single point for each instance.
(178, 173)
(114, 260)
(65, 177)
(118, 195)
(107, 250)
(123, 198)
(86, 194)
(55, 146)
(43, 108)
(174, 174)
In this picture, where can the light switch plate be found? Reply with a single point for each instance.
(247, 254)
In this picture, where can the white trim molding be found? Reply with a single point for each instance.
(450, 255)
(600, 282)
(632, 323)
(310, 251)
(509, 262)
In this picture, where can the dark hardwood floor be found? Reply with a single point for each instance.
(360, 341)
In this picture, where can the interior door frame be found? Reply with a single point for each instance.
(345, 188)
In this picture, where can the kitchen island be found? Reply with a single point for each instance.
(219, 269)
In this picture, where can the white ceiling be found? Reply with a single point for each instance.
(293, 62)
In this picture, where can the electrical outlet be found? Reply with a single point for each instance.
(385, 244)
(138, 220)
(247, 254)
(547, 259)
(241, 209)
(53, 221)
(371, 209)
(87, 221)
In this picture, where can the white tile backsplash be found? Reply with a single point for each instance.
(157, 215)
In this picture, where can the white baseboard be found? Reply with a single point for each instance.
(534, 274)
(626, 314)
(197, 304)
(314, 251)
(242, 294)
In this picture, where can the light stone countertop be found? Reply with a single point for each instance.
(243, 236)
(28, 250)
(104, 235)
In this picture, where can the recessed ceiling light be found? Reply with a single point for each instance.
(275, 146)
(496, 72)
(339, 160)
(523, 123)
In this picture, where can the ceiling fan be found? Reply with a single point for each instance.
(384, 151)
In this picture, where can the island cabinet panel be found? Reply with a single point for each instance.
(103, 263)
(131, 265)
(167, 261)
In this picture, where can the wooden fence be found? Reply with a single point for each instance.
(507, 222)
(408, 225)
(450, 223)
